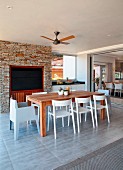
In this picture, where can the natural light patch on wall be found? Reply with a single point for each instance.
(69, 67)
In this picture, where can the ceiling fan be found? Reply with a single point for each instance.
(61, 41)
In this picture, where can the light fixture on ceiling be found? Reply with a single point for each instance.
(10, 7)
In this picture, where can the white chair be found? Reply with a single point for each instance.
(87, 107)
(109, 86)
(98, 107)
(18, 115)
(106, 92)
(118, 87)
(63, 112)
(36, 105)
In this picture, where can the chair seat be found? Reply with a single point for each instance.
(81, 110)
(61, 113)
(98, 107)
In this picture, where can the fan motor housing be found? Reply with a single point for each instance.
(56, 41)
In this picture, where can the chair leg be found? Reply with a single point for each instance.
(96, 118)
(38, 126)
(80, 116)
(107, 111)
(10, 125)
(78, 122)
(68, 120)
(85, 117)
(16, 130)
(62, 121)
(38, 114)
(48, 122)
(73, 123)
(92, 117)
(54, 127)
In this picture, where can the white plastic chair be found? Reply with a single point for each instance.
(83, 110)
(18, 115)
(106, 92)
(98, 107)
(109, 86)
(36, 105)
(63, 112)
(118, 87)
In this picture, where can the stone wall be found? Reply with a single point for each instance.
(12, 53)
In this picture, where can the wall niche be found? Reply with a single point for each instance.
(25, 80)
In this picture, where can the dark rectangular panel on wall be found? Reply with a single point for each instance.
(26, 78)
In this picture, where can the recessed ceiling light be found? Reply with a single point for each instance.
(108, 35)
(10, 7)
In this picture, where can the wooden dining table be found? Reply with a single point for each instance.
(44, 100)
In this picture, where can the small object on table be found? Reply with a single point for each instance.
(60, 91)
(66, 92)
(68, 89)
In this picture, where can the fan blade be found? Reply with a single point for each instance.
(47, 38)
(66, 43)
(67, 38)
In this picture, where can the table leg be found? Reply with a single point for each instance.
(102, 116)
(29, 102)
(43, 119)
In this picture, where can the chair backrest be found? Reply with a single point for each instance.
(57, 103)
(99, 97)
(13, 104)
(106, 92)
(86, 101)
(82, 100)
(109, 85)
(118, 86)
(65, 104)
(39, 93)
(13, 108)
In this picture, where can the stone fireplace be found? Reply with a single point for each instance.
(19, 54)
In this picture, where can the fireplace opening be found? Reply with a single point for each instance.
(26, 79)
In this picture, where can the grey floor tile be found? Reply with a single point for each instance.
(34, 152)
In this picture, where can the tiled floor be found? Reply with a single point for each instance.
(34, 152)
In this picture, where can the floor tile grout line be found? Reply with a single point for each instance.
(8, 154)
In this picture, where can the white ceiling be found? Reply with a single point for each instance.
(95, 23)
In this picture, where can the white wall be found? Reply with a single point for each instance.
(69, 69)
(83, 69)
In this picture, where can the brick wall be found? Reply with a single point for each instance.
(12, 53)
